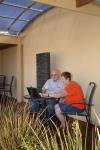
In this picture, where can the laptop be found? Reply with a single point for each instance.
(33, 92)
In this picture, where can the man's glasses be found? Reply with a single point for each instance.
(53, 74)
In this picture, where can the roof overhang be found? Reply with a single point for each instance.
(91, 7)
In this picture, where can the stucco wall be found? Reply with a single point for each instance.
(9, 61)
(73, 39)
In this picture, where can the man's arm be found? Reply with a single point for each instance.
(43, 90)
(45, 87)
(58, 94)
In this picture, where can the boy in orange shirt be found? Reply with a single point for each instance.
(73, 100)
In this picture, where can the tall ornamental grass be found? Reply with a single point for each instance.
(19, 131)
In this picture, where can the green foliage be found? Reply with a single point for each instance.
(18, 131)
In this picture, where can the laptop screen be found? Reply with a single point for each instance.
(33, 92)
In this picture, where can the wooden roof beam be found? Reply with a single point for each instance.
(9, 39)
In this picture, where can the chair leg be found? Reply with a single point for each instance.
(10, 93)
(4, 94)
(88, 119)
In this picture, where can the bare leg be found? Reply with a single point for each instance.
(60, 116)
(33, 116)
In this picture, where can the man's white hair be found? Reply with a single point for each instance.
(55, 70)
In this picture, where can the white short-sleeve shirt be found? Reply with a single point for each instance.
(52, 86)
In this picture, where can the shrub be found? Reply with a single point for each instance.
(18, 131)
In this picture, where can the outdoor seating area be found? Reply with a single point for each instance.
(33, 95)
(49, 76)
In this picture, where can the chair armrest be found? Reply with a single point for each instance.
(89, 104)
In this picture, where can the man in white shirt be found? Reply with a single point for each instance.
(51, 86)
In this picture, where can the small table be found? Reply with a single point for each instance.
(41, 98)
(29, 98)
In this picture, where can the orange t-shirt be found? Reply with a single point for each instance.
(74, 95)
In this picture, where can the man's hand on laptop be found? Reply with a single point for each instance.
(43, 94)
(47, 94)
(53, 95)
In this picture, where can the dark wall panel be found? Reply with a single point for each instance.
(43, 68)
